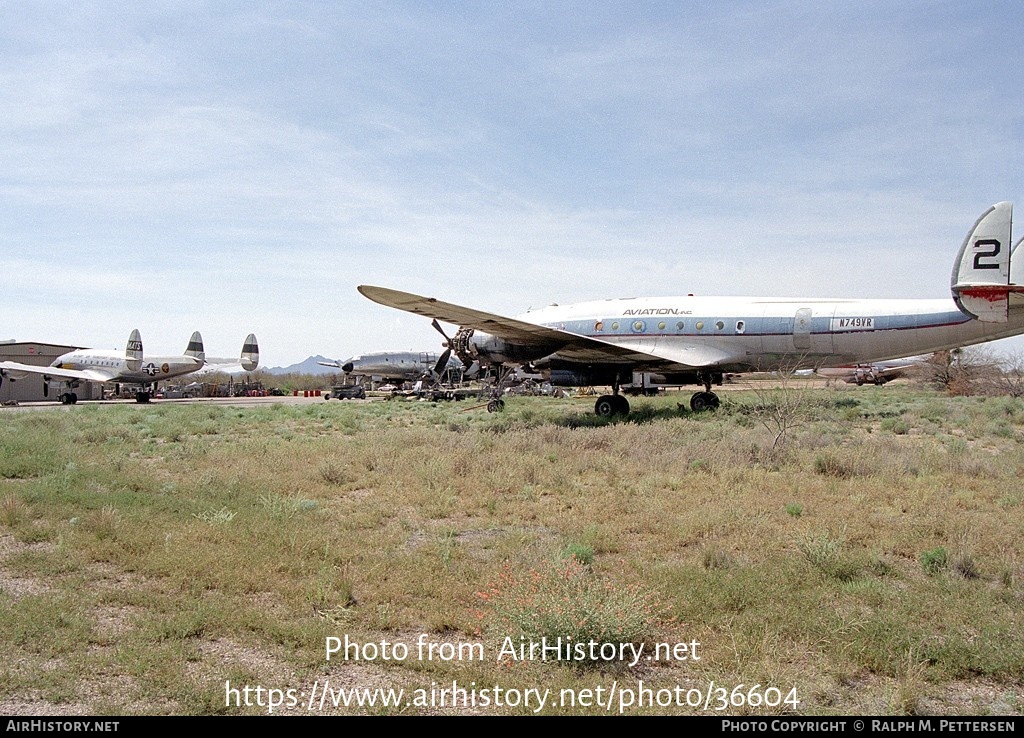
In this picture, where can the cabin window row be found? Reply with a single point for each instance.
(640, 326)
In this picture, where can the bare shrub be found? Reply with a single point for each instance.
(781, 408)
(964, 372)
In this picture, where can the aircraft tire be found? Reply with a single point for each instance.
(142, 397)
(609, 405)
(704, 401)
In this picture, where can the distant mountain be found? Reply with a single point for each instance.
(309, 366)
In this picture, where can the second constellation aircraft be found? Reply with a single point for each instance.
(695, 340)
(131, 367)
(399, 366)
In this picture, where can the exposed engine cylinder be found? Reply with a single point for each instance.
(463, 347)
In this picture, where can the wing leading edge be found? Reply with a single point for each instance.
(644, 352)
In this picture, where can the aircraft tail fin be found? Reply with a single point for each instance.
(133, 351)
(981, 282)
(1017, 274)
(195, 347)
(250, 353)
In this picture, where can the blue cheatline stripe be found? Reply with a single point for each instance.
(755, 326)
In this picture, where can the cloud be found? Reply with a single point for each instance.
(244, 167)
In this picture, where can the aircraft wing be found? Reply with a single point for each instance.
(510, 329)
(639, 350)
(16, 370)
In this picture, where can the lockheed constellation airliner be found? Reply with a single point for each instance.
(398, 366)
(131, 367)
(695, 340)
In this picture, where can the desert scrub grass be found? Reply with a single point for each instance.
(910, 688)
(580, 552)
(102, 523)
(34, 446)
(330, 593)
(895, 425)
(222, 516)
(934, 560)
(334, 473)
(676, 504)
(282, 507)
(13, 511)
(834, 464)
(50, 624)
(829, 556)
(566, 599)
(713, 557)
(964, 565)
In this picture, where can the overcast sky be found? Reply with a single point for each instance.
(236, 167)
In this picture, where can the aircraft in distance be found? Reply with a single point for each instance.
(248, 360)
(878, 372)
(398, 366)
(695, 340)
(97, 365)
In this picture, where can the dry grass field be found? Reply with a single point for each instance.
(802, 551)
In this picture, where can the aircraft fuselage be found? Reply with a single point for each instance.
(394, 365)
(758, 334)
(114, 364)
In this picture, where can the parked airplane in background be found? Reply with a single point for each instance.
(398, 366)
(248, 360)
(96, 365)
(878, 372)
(695, 340)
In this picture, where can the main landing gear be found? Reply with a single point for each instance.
(707, 400)
(613, 404)
(68, 396)
(496, 404)
(609, 405)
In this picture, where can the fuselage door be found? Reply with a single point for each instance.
(802, 329)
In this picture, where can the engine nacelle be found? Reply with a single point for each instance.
(493, 350)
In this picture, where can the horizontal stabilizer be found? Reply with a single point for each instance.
(981, 273)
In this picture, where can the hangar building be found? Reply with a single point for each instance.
(30, 388)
